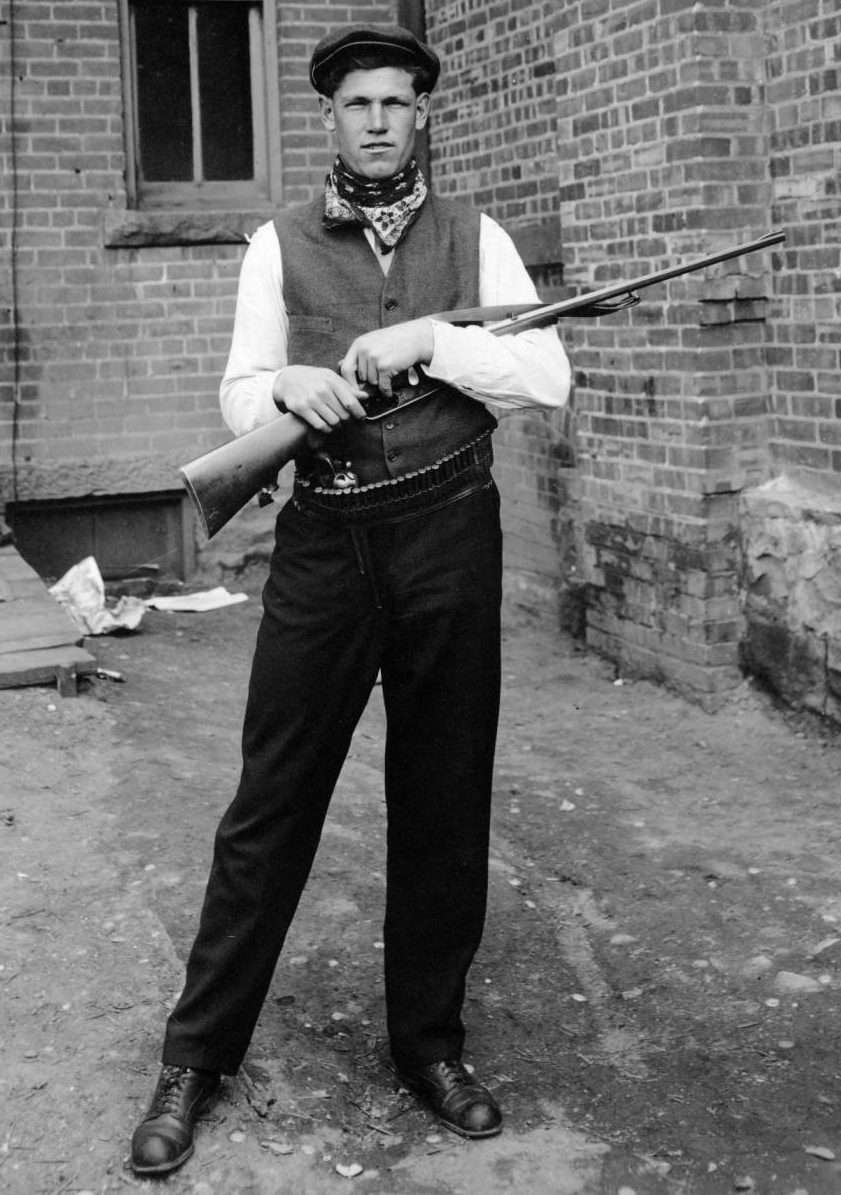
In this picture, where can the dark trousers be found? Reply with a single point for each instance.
(418, 600)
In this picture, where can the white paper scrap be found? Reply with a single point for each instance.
(206, 599)
(81, 591)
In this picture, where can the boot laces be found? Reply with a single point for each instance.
(453, 1072)
(170, 1088)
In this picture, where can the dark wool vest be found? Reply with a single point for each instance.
(334, 291)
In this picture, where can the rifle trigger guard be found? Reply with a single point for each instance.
(607, 308)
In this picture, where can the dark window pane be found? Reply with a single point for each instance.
(163, 92)
(225, 91)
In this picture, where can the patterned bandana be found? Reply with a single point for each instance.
(387, 205)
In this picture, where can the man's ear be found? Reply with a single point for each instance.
(325, 105)
(422, 109)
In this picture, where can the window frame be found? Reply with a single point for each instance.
(265, 187)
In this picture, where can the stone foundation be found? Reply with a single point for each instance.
(791, 532)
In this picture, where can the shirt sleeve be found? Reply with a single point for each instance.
(260, 337)
(524, 370)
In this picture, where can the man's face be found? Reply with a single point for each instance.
(375, 115)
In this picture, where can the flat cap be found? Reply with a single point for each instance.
(328, 53)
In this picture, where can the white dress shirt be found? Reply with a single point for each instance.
(529, 369)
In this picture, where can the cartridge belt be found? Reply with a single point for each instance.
(449, 478)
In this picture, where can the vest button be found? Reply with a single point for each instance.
(392, 456)
(390, 426)
(390, 304)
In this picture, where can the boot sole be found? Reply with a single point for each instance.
(472, 1135)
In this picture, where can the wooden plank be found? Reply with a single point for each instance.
(58, 665)
(37, 636)
(22, 588)
(26, 590)
(12, 564)
(26, 625)
(17, 578)
(12, 571)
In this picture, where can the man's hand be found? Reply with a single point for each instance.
(377, 356)
(319, 396)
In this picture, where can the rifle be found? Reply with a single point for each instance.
(223, 480)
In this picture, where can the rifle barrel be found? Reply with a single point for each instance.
(551, 312)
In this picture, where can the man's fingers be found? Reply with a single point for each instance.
(348, 397)
(348, 367)
(332, 416)
(321, 422)
(319, 396)
(377, 368)
(356, 373)
(341, 402)
(322, 413)
(353, 407)
(368, 370)
(359, 366)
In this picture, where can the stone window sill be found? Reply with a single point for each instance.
(147, 229)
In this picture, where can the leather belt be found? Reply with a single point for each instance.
(413, 493)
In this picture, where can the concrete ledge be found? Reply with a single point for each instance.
(123, 229)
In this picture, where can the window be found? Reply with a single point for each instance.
(201, 107)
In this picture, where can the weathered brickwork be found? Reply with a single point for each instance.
(683, 127)
(495, 133)
(804, 104)
(662, 159)
(494, 144)
(792, 570)
(534, 474)
(119, 350)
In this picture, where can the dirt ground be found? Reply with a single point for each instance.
(656, 1001)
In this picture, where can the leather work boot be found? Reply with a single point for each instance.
(459, 1102)
(164, 1138)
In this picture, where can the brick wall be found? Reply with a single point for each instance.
(683, 127)
(662, 159)
(493, 143)
(804, 110)
(495, 129)
(119, 350)
(789, 524)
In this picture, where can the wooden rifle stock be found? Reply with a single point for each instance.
(222, 481)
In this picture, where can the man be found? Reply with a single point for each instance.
(387, 562)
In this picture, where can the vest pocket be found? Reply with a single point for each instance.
(310, 323)
(313, 341)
